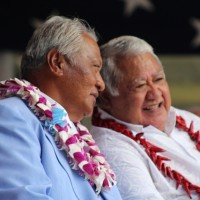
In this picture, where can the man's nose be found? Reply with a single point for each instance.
(100, 83)
(153, 91)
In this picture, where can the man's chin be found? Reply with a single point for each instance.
(88, 113)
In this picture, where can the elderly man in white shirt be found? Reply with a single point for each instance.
(152, 146)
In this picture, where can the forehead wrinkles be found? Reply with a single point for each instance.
(132, 65)
(135, 67)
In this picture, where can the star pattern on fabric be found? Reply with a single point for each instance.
(132, 5)
(195, 23)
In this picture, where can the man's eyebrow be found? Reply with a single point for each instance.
(159, 73)
(135, 80)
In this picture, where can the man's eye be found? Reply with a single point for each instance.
(97, 66)
(159, 79)
(140, 85)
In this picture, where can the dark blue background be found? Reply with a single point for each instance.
(167, 28)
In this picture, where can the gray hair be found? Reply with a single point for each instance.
(120, 46)
(59, 32)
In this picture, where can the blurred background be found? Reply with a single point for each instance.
(172, 27)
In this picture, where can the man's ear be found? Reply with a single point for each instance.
(56, 62)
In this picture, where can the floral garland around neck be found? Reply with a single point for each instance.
(152, 150)
(81, 149)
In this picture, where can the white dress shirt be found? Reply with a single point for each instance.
(138, 177)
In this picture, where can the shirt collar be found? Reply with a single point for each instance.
(51, 100)
(169, 126)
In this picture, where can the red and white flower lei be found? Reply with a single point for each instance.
(152, 150)
(80, 147)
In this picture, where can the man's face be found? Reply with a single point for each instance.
(83, 82)
(144, 96)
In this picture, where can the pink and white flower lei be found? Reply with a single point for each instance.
(81, 149)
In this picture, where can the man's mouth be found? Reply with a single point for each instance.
(153, 107)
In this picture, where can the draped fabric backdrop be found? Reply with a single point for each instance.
(172, 27)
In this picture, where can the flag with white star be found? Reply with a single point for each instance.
(171, 26)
